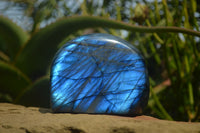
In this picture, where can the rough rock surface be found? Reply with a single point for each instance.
(20, 119)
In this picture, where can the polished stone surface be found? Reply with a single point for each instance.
(100, 74)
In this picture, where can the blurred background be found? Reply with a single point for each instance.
(172, 58)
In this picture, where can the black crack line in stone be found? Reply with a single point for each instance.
(79, 91)
(97, 90)
(136, 84)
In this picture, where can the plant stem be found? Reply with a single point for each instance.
(94, 21)
(162, 109)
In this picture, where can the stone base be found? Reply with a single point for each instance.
(20, 119)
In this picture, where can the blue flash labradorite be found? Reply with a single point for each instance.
(99, 74)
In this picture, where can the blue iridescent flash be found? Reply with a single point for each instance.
(99, 74)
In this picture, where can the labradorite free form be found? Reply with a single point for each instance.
(99, 74)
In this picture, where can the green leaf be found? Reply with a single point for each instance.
(12, 80)
(37, 94)
(12, 37)
(36, 56)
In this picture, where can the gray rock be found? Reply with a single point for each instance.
(20, 119)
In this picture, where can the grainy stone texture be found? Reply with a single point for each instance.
(20, 119)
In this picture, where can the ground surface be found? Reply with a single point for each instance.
(20, 119)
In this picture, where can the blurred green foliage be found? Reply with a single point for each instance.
(172, 57)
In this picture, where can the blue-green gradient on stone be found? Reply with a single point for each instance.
(99, 74)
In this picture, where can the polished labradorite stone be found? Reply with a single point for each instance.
(100, 74)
